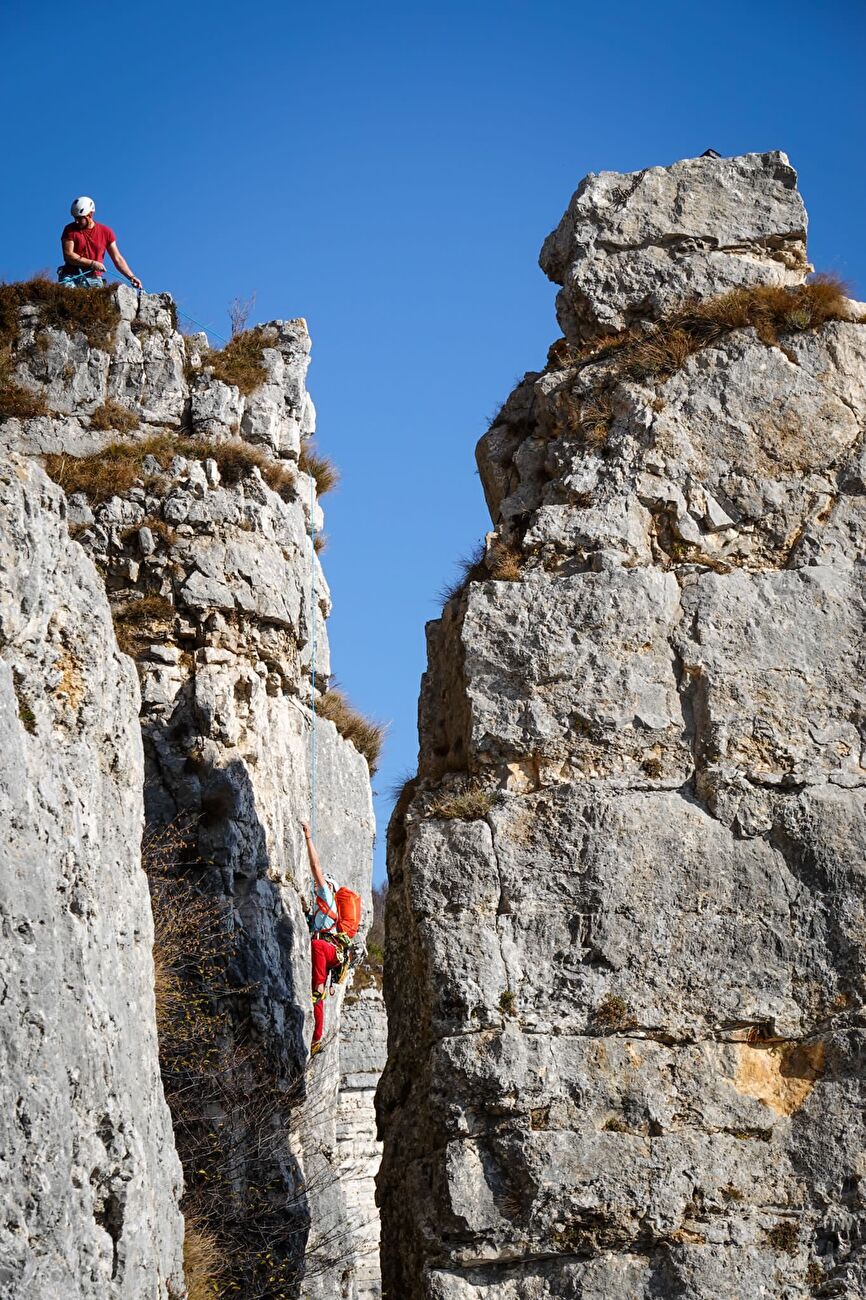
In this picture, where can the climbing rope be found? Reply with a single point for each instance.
(208, 329)
(313, 798)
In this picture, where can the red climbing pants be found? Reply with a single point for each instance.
(324, 957)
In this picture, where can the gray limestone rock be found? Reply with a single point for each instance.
(625, 980)
(631, 245)
(91, 1181)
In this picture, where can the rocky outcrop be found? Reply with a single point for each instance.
(190, 485)
(625, 979)
(91, 1182)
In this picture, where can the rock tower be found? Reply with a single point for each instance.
(626, 911)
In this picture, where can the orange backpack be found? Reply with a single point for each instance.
(347, 917)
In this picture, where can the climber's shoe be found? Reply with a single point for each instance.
(316, 1048)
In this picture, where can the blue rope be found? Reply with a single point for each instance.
(81, 275)
(313, 773)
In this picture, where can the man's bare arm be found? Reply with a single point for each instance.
(122, 265)
(70, 255)
(315, 865)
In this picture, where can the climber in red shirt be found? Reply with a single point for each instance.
(85, 242)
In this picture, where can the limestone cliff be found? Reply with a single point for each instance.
(191, 486)
(90, 1179)
(625, 922)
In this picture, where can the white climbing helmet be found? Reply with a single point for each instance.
(82, 207)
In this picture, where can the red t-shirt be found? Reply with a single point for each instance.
(90, 243)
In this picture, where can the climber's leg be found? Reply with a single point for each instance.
(323, 959)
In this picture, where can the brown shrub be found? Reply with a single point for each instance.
(367, 737)
(241, 362)
(324, 471)
(612, 1013)
(320, 543)
(504, 562)
(111, 415)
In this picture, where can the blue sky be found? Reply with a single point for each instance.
(389, 171)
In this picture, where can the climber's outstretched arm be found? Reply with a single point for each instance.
(315, 866)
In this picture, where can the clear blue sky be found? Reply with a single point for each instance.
(388, 171)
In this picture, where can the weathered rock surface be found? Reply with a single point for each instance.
(210, 576)
(626, 1028)
(363, 1050)
(631, 245)
(90, 1181)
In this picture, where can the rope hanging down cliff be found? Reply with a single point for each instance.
(313, 799)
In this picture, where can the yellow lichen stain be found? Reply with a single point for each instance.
(781, 1075)
(71, 685)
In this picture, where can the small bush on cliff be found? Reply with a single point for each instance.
(241, 362)
(111, 415)
(92, 312)
(613, 1013)
(367, 736)
(115, 469)
(324, 471)
(16, 401)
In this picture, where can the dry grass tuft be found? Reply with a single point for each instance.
(140, 622)
(115, 469)
(367, 737)
(472, 568)
(16, 401)
(504, 562)
(467, 805)
(324, 471)
(111, 415)
(241, 362)
(320, 543)
(204, 1263)
(93, 312)
(652, 355)
(613, 1013)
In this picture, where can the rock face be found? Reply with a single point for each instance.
(91, 1182)
(363, 1050)
(625, 922)
(201, 533)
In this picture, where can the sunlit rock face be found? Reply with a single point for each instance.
(199, 528)
(626, 919)
(91, 1182)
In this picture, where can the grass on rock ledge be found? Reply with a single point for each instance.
(367, 737)
(651, 355)
(113, 471)
(92, 312)
(469, 805)
(241, 362)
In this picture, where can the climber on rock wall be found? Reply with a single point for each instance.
(85, 242)
(329, 955)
